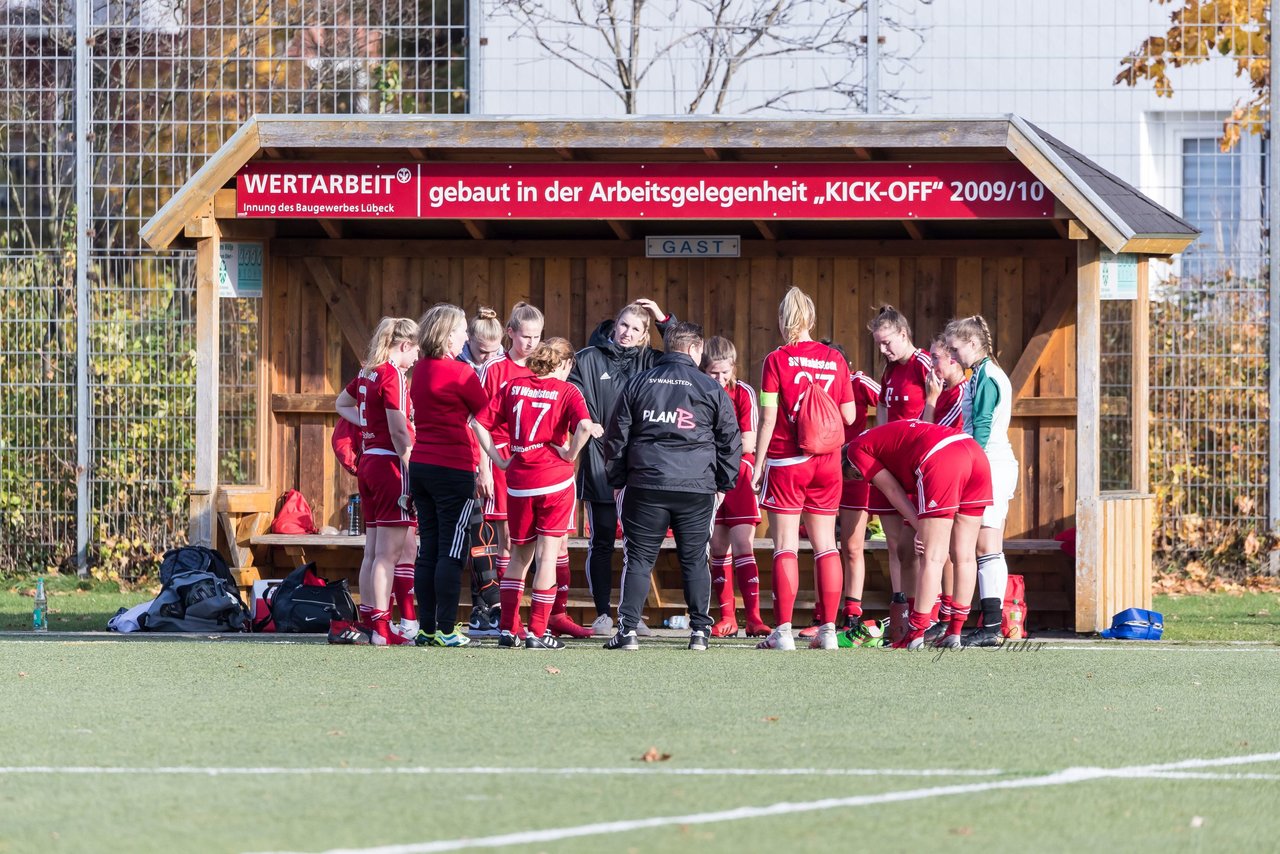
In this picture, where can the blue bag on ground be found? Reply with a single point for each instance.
(1135, 624)
(197, 594)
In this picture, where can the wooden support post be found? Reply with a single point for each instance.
(1141, 407)
(1088, 447)
(205, 487)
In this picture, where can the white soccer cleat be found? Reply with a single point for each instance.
(778, 639)
(407, 629)
(825, 638)
(602, 626)
(643, 631)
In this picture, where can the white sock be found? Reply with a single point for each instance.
(993, 576)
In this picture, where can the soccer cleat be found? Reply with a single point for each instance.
(547, 641)
(348, 634)
(908, 642)
(424, 638)
(757, 630)
(407, 629)
(483, 622)
(726, 628)
(563, 625)
(507, 640)
(825, 638)
(602, 626)
(982, 637)
(623, 640)
(455, 638)
(948, 642)
(778, 639)
(809, 632)
(936, 632)
(698, 641)
(643, 630)
(867, 633)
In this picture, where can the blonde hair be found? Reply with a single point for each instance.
(796, 314)
(717, 349)
(522, 313)
(389, 332)
(972, 328)
(435, 327)
(638, 310)
(549, 356)
(887, 315)
(485, 326)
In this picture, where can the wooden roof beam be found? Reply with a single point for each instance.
(332, 227)
(1031, 358)
(767, 230)
(343, 305)
(862, 153)
(477, 229)
(622, 230)
(913, 228)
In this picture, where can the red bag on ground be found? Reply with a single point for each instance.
(294, 515)
(347, 444)
(1014, 624)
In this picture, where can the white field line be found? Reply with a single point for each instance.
(1060, 778)
(1202, 775)
(645, 771)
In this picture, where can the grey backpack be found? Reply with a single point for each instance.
(197, 594)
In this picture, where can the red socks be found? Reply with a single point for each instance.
(829, 577)
(539, 611)
(918, 625)
(944, 607)
(933, 612)
(511, 589)
(748, 577)
(721, 586)
(958, 617)
(402, 591)
(500, 565)
(364, 616)
(852, 608)
(563, 573)
(786, 580)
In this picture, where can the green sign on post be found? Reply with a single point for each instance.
(239, 269)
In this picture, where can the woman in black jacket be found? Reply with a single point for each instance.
(619, 349)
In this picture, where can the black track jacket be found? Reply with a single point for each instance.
(601, 371)
(674, 429)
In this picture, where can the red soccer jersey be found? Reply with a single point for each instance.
(743, 397)
(537, 412)
(866, 392)
(902, 386)
(947, 410)
(494, 376)
(897, 447)
(376, 391)
(788, 371)
(445, 393)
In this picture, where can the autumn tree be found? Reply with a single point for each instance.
(1200, 29)
(712, 45)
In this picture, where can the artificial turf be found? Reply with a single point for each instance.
(233, 704)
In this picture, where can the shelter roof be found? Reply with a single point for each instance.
(1118, 214)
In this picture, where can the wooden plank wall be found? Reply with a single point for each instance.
(1124, 567)
(733, 297)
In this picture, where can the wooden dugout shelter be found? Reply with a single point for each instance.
(340, 252)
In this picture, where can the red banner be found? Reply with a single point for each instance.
(705, 191)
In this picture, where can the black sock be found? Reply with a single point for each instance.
(992, 613)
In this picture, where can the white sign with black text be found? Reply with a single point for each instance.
(693, 246)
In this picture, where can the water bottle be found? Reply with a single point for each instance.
(353, 516)
(40, 614)
(679, 621)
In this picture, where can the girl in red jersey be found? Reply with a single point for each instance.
(795, 483)
(944, 386)
(377, 402)
(951, 478)
(854, 515)
(538, 412)
(447, 397)
(902, 389)
(484, 345)
(736, 519)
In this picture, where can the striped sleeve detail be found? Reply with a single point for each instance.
(951, 416)
(870, 388)
(924, 359)
(755, 409)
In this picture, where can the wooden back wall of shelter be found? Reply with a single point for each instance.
(1025, 289)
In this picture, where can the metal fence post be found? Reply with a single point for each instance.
(82, 80)
(873, 57)
(1273, 301)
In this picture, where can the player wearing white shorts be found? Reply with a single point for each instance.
(987, 405)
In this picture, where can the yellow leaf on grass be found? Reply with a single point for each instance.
(652, 755)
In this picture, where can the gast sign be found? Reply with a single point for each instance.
(641, 191)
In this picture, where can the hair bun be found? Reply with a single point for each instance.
(486, 313)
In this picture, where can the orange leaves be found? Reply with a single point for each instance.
(652, 755)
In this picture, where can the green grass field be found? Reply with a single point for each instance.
(154, 745)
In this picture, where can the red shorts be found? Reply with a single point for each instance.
(740, 506)
(802, 484)
(854, 495)
(953, 478)
(382, 481)
(549, 514)
(495, 508)
(879, 505)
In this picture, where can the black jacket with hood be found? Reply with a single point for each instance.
(673, 429)
(601, 370)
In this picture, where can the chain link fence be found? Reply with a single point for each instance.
(167, 81)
